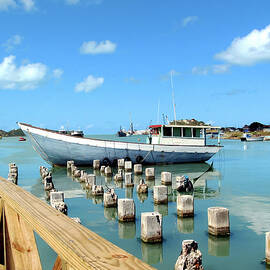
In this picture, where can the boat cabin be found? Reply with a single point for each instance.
(179, 134)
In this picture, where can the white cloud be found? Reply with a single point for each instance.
(72, 2)
(28, 4)
(189, 20)
(57, 73)
(217, 69)
(23, 77)
(92, 47)
(200, 70)
(6, 4)
(13, 42)
(90, 83)
(248, 50)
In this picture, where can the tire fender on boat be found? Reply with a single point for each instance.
(106, 162)
(139, 159)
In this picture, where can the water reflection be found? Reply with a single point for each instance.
(185, 225)
(142, 197)
(119, 184)
(152, 253)
(150, 183)
(108, 179)
(161, 208)
(218, 246)
(137, 179)
(127, 230)
(129, 192)
(110, 213)
(97, 199)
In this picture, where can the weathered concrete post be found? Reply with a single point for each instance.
(126, 210)
(57, 201)
(110, 199)
(166, 178)
(72, 168)
(120, 175)
(108, 171)
(190, 257)
(267, 247)
(102, 169)
(218, 221)
(48, 183)
(185, 206)
(142, 187)
(150, 173)
(13, 173)
(97, 190)
(160, 194)
(83, 176)
(69, 163)
(128, 166)
(90, 181)
(121, 163)
(129, 180)
(77, 173)
(151, 227)
(96, 164)
(138, 169)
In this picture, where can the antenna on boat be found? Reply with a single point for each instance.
(158, 111)
(174, 112)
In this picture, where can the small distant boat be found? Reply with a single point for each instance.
(21, 139)
(121, 133)
(249, 138)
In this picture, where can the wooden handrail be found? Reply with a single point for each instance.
(79, 247)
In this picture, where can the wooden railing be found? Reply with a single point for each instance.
(77, 247)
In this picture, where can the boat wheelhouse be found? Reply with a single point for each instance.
(179, 134)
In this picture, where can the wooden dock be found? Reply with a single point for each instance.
(21, 213)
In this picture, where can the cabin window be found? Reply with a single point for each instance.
(187, 132)
(167, 131)
(177, 132)
(197, 132)
(155, 131)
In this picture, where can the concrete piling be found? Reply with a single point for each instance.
(108, 171)
(120, 175)
(76, 173)
(13, 173)
(150, 173)
(138, 170)
(83, 176)
(267, 247)
(185, 206)
(126, 210)
(142, 187)
(190, 256)
(128, 180)
(57, 201)
(97, 190)
(110, 198)
(160, 194)
(151, 227)
(48, 183)
(96, 164)
(121, 163)
(90, 181)
(128, 166)
(102, 169)
(218, 221)
(166, 178)
(69, 163)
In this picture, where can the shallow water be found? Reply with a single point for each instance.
(240, 181)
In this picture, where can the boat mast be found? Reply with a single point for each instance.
(158, 111)
(174, 112)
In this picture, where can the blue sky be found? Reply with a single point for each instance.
(94, 64)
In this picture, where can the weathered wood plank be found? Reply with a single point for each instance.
(58, 264)
(21, 249)
(2, 237)
(77, 245)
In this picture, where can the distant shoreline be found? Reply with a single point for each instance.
(12, 133)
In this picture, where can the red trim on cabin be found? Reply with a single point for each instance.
(155, 126)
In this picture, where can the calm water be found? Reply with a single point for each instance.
(240, 181)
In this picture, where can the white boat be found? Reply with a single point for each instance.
(167, 144)
(247, 137)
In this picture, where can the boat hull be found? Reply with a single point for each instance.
(58, 148)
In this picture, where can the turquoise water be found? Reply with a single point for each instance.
(240, 181)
